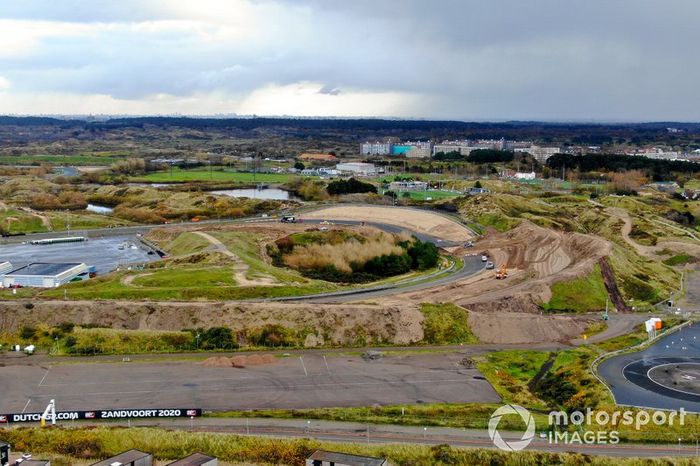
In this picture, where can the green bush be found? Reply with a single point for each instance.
(424, 255)
(350, 186)
(446, 324)
(271, 335)
(637, 289)
(27, 332)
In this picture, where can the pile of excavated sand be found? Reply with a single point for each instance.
(217, 361)
(521, 327)
(239, 360)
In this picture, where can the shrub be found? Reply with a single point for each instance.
(270, 335)
(350, 186)
(27, 332)
(424, 255)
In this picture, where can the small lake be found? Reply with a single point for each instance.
(265, 193)
(99, 209)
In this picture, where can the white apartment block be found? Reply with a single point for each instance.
(541, 154)
(375, 148)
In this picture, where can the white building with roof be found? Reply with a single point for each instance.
(357, 168)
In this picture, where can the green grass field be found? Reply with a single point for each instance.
(15, 221)
(195, 274)
(433, 194)
(178, 175)
(70, 446)
(582, 294)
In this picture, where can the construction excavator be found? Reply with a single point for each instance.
(502, 273)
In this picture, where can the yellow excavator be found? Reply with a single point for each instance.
(502, 273)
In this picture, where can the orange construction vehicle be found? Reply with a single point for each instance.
(502, 273)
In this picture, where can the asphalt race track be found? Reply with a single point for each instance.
(664, 376)
(308, 381)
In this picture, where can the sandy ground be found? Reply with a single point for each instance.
(417, 220)
(507, 311)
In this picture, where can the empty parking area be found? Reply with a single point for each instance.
(290, 382)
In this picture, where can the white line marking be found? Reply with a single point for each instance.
(44, 377)
(327, 368)
(303, 366)
(29, 400)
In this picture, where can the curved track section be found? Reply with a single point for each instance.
(664, 376)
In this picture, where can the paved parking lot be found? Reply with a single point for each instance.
(292, 382)
(103, 252)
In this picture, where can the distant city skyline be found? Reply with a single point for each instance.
(544, 60)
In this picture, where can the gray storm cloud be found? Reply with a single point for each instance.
(502, 59)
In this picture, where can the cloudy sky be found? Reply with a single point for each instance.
(456, 59)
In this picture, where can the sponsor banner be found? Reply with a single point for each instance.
(104, 414)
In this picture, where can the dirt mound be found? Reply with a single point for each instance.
(517, 327)
(217, 361)
(239, 360)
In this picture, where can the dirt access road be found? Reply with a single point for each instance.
(413, 220)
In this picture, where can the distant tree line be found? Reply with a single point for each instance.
(477, 156)
(363, 128)
(657, 169)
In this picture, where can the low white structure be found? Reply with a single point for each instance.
(357, 168)
(525, 176)
(43, 274)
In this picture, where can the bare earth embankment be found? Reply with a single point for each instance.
(507, 311)
(339, 323)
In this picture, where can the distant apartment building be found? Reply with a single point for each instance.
(656, 153)
(464, 147)
(375, 148)
(497, 144)
(411, 149)
(541, 154)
